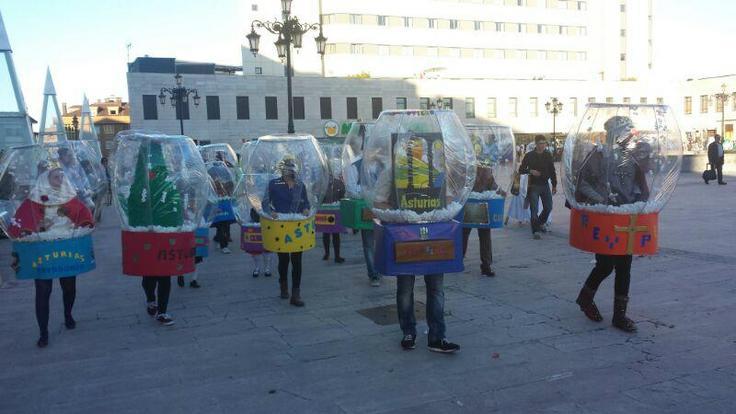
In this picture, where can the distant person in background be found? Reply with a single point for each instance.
(716, 158)
(540, 166)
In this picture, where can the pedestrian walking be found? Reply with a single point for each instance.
(716, 158)
(539, 164)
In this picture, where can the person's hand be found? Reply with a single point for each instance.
(535, 173)
(554, 190)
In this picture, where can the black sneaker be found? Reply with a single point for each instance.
(70, 323)
(43, 341)
(164, 319)
(151, 308)
(267, 274)
(194, 284)
(443, 346)
(180, 281)
(255, 273)
(409, 342)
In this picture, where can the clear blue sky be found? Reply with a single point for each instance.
(84, 41)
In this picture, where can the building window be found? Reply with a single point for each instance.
(704, 104)
(622, 57)
(213, 107)
(627, 100)
(623, 32)
(513, 107)
(259, 70)
(242, 107)
(688, 105)
(534, 107)
(424, 103)
(325, 107)
(401, 103)
(477, 25)
(254, 7)
(643, 101)
(356, 19)
(381, 20)
(432, 23)
(446, 103)
(609, 100)
(272, 111)
(376, 107)
(108, 129)
(660, 101)
(469, 108)
(150, 108)
(356, 49)
(499, 27)
(298, 107)
(574, 106)
(408, 22)
(352, 104)
(491, 107)
(591, 100)
(453, 24)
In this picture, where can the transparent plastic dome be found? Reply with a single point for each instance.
(622, 159)
(159, 182)
(90, 165)
(352, 157)
(242, 202)
(418, 166)
(494, 148)
(46, 193)
(285, 176)
(222, 167)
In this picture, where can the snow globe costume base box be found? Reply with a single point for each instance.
(355, 214)
(354, 211)
(485, 214)
(251, 239)
(621, 164)
(160, 186)
(418, 170)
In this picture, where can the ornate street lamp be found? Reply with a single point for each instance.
(722, 98)
(290, 33)
(179, 96)
(554, 107)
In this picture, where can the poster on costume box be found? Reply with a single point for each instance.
(418, 171)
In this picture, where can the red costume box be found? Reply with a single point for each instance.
(614, 234)
(158, 254)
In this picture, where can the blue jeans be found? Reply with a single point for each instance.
(368, 246)
(435, 305)
(534, 193)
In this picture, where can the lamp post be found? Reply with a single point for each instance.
(722, 98)
(290, 32)
(178, 96)
(554, 107)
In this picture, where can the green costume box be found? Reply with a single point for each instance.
(356, 214)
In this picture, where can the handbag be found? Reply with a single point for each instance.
(516, 184)
(709, 174)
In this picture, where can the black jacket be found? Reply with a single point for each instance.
(713, 157)
(541, 162)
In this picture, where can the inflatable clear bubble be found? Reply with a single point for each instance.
(352, 157)
(332, 149)
(48, 192)
(418, 166)
(285, 176)
(622, 159)
(160, 183)
(494, 148)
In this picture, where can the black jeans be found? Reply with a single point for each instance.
(149, 284)
(222, 235)
(486, 249)
(718, 168)
(43, 295)
(335, 243)
(296, 268)
(534, 193)
(604, 265)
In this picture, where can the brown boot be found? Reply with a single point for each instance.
(284, 284)
(620, 320)
(585, 300)
(296, 300)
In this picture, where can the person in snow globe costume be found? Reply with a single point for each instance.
(285, 181)
(160, 186)
(222, 166)
(328, 220)
(418, 169)
(621, 164)
(494, 150)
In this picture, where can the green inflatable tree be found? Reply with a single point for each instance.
(153, 201)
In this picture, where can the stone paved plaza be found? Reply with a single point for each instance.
(237, 347)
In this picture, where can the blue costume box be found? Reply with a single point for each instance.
(483, 214)
(202, 240)
(224, 211)
(53, 259)
(418, 249)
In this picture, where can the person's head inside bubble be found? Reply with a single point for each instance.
(619, 131)
(288, 168)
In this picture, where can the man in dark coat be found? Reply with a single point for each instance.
(715, 158)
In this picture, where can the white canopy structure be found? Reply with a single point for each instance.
(51, 128)
(15, 126)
